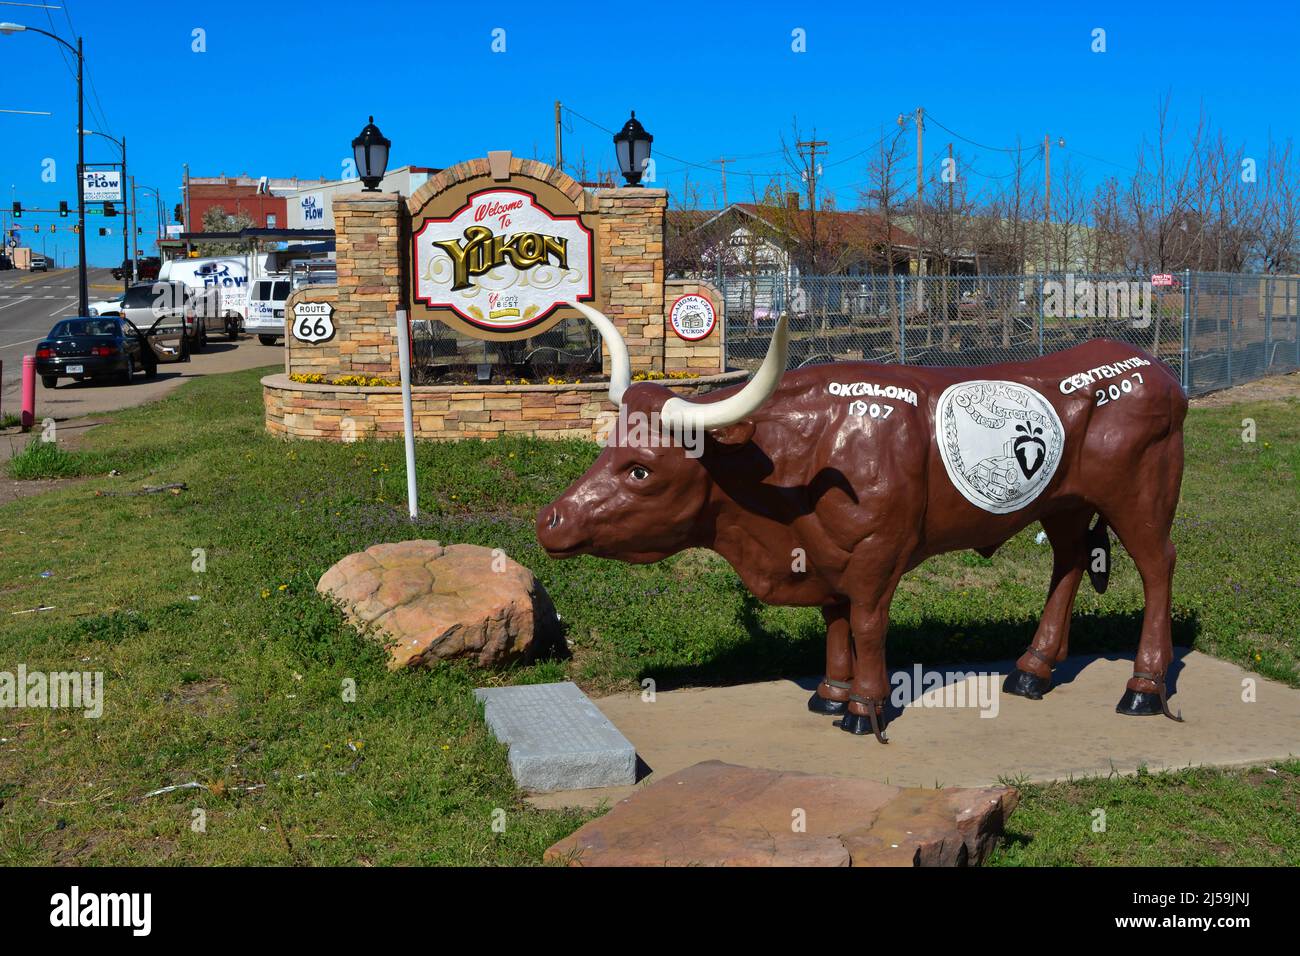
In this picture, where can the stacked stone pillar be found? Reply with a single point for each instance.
(631, 255)
(372, 248)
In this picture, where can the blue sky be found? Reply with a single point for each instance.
(282, 88)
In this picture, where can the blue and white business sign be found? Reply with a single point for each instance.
(102, 185)
(313, 209)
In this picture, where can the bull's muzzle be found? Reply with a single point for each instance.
(554, 534)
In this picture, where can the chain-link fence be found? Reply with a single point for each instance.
(1214, 330)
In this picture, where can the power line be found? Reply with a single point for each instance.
(964, 139)
(90, 78)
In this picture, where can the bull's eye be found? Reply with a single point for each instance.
(638, 473)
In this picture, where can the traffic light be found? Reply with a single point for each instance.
(179, 213)
(103, 231)
(53, 228)
(63, 208)
(36, 227)
(110, 209)
(18, 209)
(76, 230)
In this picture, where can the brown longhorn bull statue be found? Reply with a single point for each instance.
(823, 486)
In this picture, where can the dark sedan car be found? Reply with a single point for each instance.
(103, 347)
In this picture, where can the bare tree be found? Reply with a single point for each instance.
(1279, 220)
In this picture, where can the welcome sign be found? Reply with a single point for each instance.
(501, 260)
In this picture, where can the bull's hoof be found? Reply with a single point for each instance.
(821, 705)
(1136, 703)
(859, 724)
(1024, 684)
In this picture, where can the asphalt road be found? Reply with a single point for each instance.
(30, 304)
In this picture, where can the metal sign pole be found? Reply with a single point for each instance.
(404, 363)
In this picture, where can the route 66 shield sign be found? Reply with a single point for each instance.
(1000, 442)
(313, 322)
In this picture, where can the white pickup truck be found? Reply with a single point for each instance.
(265, 315)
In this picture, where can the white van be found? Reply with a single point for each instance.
(228, 274)
(264, 316)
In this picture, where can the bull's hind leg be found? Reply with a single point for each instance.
(1143, 527)
(832, 694)
(1068, 534)
(1145, 692)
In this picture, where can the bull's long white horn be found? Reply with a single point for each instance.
(620, 367)
(684, 414)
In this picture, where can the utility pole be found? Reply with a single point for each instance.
(186, 212)
(920, 190)
(1047, 194)
(126, 219)
(920, 206)
(812, 145)
(723, 163)
(559, 139)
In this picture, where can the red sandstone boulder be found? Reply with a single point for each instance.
(431, 603)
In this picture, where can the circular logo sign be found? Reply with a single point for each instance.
(693, 317)
(1000, 442)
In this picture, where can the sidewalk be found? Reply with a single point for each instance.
(1073, 731)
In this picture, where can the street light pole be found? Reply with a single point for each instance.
(83, 287)
(83, 290)
(127, 209)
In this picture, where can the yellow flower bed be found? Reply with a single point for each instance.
(364, 381)
(654, 376)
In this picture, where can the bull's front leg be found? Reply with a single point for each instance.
(869, 621)
(832, 694)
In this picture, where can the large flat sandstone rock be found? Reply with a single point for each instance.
(428, 603)
(718, 814)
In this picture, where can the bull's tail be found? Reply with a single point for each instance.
(1099, 555)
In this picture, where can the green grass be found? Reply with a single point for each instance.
(40, 459)
(1195, 817)
(233, 678)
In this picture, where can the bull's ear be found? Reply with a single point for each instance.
(731, 437)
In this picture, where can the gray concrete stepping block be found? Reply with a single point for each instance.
(558, 738)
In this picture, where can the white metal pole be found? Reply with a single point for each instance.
(404, 362)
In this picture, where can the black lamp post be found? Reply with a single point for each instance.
(83, 287)
(632, 144)
(370, 150)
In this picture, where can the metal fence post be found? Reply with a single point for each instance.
(1229, 332)
(1268, 322)
(1040, 314)
(902, 320)
(1187, 331)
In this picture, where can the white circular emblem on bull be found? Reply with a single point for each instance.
(1000, 442)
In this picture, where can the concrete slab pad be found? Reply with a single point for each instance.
(558, 738)
(1072, 732)
(717, 814)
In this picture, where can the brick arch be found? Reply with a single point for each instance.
(478, 168)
